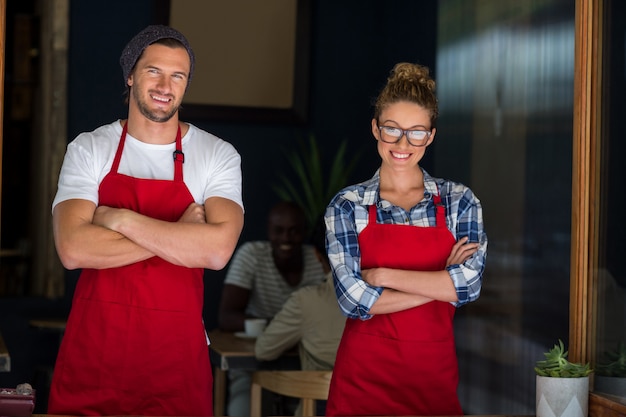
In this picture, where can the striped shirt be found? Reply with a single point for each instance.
(253, 268)
(346, 216)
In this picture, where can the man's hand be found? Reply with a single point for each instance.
(107, 217)
(193, 214)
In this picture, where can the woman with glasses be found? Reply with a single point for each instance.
(406, 250)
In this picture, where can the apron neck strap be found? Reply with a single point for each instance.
(179, 157)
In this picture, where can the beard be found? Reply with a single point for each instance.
(159, 116)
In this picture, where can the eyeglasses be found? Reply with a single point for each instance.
(390, 134)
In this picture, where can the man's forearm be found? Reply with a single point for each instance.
(194, 245)
(82, 244)
(100, 249)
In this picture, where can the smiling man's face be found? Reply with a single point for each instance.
(159, 80)
(286, 233)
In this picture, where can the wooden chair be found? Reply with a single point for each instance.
(308, 386)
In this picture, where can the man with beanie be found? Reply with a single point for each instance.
(143, 206)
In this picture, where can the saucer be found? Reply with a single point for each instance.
(244, 335)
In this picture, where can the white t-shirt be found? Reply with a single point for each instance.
(212, 166)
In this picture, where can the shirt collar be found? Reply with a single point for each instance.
(430, 186)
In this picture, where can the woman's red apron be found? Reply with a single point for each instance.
(135, 342)
(402, 363)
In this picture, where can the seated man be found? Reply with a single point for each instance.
(310, 318)
(259, 280)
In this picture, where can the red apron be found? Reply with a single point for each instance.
(135, 342)
(401, 363)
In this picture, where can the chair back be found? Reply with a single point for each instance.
(308, 386)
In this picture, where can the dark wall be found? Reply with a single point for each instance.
(354, 45)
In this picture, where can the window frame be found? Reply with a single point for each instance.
(586, 193)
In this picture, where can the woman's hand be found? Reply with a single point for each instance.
(427, 284)
(461, 251)
(374, 276)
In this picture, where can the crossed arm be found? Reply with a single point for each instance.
(87, 236)
(407, 289)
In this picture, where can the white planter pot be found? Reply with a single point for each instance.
(613, 385)
(562, 397)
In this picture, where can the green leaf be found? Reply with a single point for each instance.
(556, 364)
(309, 187)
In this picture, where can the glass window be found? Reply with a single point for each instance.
(505, 82)
(610, 331)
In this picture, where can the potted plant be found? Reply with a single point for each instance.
(307, 185)
(610, 375)
(562, 386)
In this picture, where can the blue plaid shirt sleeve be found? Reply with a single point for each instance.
(345, 213)
(464, 218)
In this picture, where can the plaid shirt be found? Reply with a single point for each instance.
(346, 216)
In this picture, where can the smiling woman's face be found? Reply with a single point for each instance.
(406, 116)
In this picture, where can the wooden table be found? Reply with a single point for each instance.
(228, 351)
(57, 325)
(5, 359)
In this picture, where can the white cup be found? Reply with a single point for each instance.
(254, 327)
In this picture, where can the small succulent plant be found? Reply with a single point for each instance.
(614, 363)
(556, 364)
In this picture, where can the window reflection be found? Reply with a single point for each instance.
(505, 81)
(611, 277)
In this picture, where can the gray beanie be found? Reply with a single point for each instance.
(146, 37)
